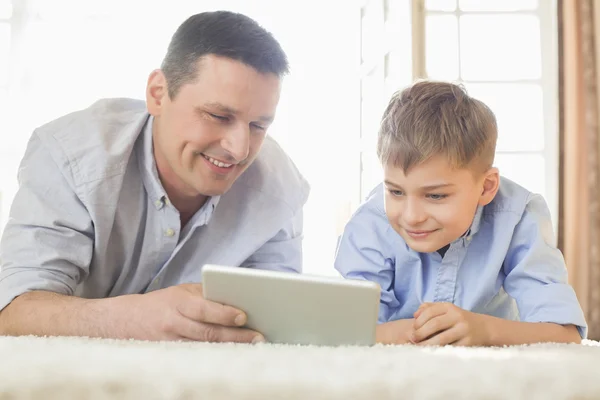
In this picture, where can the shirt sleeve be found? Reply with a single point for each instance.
(361, 254)
(283, 252)
(48, 241)
(536, 275)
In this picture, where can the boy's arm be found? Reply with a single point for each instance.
(536, 277)
(440, 324)
(394, 332)
(361, 254)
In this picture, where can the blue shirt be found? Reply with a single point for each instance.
(91, 217)
(506, 265)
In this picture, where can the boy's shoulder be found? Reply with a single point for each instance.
(371, 211)
(511, 198)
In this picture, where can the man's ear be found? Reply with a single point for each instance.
(491, 184)
(156, 92)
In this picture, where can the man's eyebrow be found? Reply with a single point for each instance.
(228, 110)
(221, 107)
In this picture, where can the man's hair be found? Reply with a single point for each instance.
(437, 118)
(220, 33)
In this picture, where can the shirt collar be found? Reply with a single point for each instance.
(475, 224)
(147, 165)
(152, 183)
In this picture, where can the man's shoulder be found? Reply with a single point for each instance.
(275, 175)
(95, 142)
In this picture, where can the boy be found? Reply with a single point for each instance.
(462, 255)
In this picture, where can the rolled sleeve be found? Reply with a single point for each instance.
(536, 275)
(360, 254)
(283, 252)
(47, 243)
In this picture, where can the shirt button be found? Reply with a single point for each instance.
(158, 203)
(167, 202)
(169, 232)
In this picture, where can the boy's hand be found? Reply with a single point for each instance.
(439, 324)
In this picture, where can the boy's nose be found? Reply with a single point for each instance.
(413, 213)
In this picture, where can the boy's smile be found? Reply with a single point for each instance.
(434, 204)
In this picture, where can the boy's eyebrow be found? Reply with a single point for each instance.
(388, 183)
(438, 186)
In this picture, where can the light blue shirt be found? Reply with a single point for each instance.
(92, 219)
(506, 265)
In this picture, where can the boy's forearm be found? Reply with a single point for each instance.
(503, 332)
(395, 332)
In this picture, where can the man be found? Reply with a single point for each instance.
(120, 205)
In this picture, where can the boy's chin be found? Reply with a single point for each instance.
(424, 246)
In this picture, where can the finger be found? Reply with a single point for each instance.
(429, 313)
(198, 331)
(422, 307)
(432, 327)
(195, 288)
(197, 308)
(449, 336)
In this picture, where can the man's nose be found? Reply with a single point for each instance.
(237, 142)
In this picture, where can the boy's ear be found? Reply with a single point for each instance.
(491, 184)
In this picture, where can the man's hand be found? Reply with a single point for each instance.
(439, 324)
(181, 313)
(175, 313)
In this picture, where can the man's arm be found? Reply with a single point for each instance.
(283, 252)
(45, 252)
(175, 313)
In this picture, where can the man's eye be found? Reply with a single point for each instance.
(395, 192)
(260, 128)
(219, 117)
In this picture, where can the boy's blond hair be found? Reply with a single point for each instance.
(432, 118)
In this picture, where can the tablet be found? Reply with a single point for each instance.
(292, 308)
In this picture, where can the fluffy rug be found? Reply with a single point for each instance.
(80, 368)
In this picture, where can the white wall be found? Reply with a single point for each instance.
(68, 53)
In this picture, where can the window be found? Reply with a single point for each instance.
(467, 41)
(5, 40)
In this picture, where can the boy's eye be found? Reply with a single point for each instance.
(395, 192)
(437, 196)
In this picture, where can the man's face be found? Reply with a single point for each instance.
(212, 130)
(434, 204)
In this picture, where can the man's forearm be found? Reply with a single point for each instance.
(50, 314)
(504, 332)
(394, 332)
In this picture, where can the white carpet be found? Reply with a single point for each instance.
(79, 368)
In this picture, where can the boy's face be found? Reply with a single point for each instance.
(434, 204)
